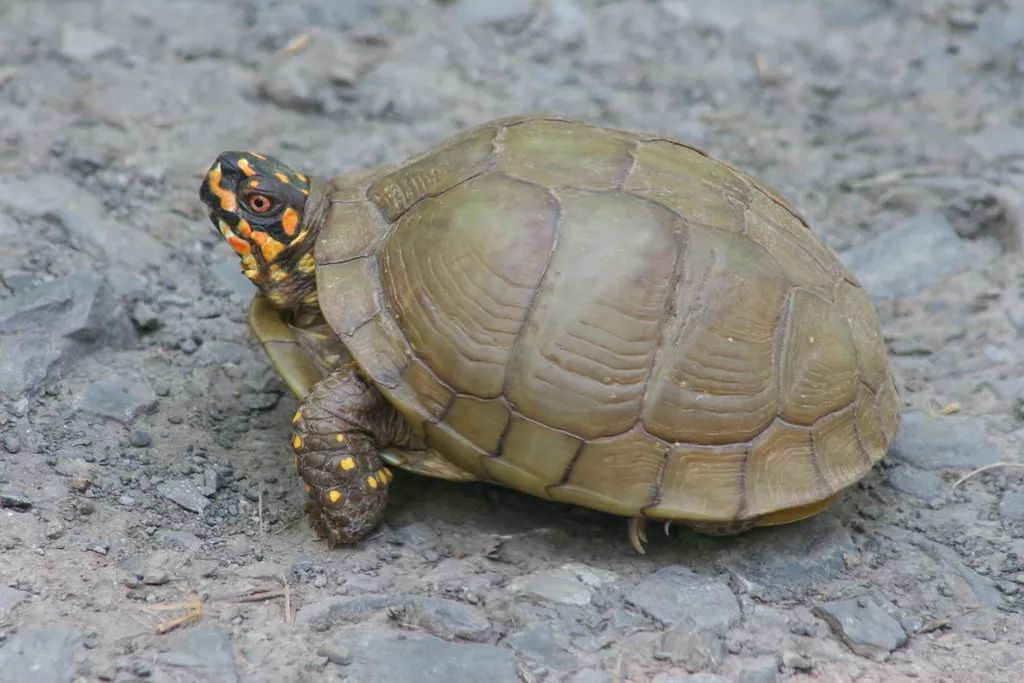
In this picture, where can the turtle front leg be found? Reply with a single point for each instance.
(337, 434)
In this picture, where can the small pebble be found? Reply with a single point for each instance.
(15, 500)
(156, 578)
(11, 444)
(141, 439)
(335, 654)
(795, 661)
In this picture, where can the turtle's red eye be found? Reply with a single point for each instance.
(259, 203)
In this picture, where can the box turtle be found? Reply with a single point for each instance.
(586, 315)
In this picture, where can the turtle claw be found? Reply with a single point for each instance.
(668, 526)
(638, 533)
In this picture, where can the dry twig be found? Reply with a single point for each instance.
(985, 469)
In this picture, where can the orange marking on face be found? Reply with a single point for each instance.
(239, 245)
(243, 228)
(228, 200)
(268, 245)
(246, 168)
(289, 221)
(283, 178)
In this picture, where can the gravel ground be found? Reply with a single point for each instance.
(151, 524)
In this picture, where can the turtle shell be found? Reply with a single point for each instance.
(612, 320)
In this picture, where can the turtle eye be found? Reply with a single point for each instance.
(259, 203)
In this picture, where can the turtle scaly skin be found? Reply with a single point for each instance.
(587, 315)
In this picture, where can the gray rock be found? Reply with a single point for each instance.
(339, 609)
(81, 43)
(9, 599)
(674, 593)
(179, 540)
(565, 21)
(46, 327)
(109, 241)
(934, 443)
(900, 262)
(11, 444)
(200, 653)
(119, 397)
(760, 669)
(510, 15)
(1001, 142)
(70, 466)
(927, 486)
(15, 500)
(792, 558)
(145, 317)
(1011, 507)
(8, 226)
(38, 654)
(319, 76)
(539, 644)
(556, 585)
(863, 625)
(981, 586)
(796, 661)
(691, 646)
(446, 619)
(386, 656)
(592, 676)
(184, 493)
(224, 275)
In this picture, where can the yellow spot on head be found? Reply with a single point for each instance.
(227, 198)
(372, 481)
(297, 442)
(302, 177)
(347, 464)
(304, 191)
(283, 178)
(246, 168)
(297, 416)
(334, 495)
(258, 156)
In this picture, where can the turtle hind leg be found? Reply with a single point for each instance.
(638, 533)
(335, 437)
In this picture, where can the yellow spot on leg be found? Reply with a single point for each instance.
(297, 416)
(372, 481)
(340, 438)
(347, 464)
(307, 264)
(388, 475)
(307, 487)
(297, 442)
(334, 495)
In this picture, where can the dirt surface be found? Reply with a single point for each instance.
(145, 475)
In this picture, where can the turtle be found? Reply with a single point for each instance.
(603, 318)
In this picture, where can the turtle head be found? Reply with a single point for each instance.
(258, 205)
